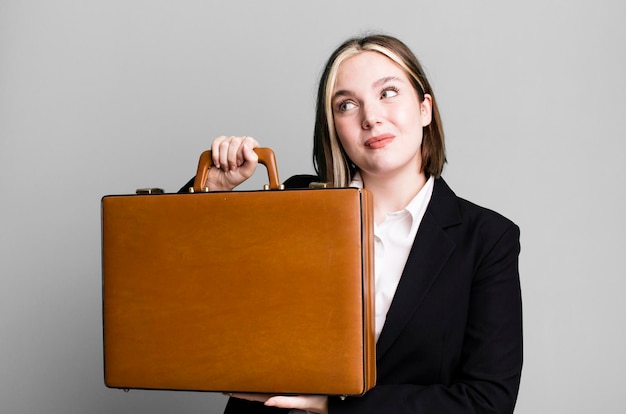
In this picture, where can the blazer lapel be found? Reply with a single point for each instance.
(431, 249)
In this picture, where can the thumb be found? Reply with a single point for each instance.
(251, 159)
(249, 154)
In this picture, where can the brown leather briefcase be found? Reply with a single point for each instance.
(265, 291)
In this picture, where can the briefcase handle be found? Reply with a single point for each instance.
(266, 157)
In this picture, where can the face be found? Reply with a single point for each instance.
(378, 115)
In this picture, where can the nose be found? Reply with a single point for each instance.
(371, 116)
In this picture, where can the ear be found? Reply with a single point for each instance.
(426, 110)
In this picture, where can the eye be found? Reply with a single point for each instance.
(345, 106)
(389, 92)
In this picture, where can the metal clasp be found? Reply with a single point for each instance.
(151, 190)
(266, 187)
(318, 185)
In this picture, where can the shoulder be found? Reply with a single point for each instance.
(472, 212)
(447, 205)
(472, 220)
(485, 238)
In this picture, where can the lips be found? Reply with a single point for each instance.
(379, 141)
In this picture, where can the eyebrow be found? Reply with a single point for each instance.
(378, 83)
(386, 79)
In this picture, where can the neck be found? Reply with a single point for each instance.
(392, 194)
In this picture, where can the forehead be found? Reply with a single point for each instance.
(366, 68)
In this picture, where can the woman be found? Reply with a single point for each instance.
(448, 303)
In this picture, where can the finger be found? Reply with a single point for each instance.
(287, 402)
(222, 155)
(312, 403)
(215, 150)
(245, 151)
(251, 141)
(235, 152)
(251, 159)
(248, 145)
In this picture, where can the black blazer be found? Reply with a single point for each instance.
(452, 340)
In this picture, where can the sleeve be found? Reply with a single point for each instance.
(489, 370)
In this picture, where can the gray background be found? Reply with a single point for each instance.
(103, 97)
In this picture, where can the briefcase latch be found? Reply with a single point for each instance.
(317, 185)
(267, 187)
(151, 190)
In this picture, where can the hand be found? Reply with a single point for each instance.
(311, 403)
(234, 161)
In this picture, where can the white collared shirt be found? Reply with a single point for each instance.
(394, 238)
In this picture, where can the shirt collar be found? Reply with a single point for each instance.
(417, 206)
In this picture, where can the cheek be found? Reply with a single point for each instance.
(412, 123)
(346, 131)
